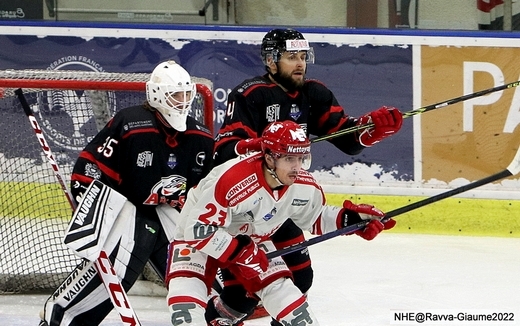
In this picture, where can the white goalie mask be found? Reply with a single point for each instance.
(171, 91)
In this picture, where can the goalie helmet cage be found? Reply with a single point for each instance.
(70, 106)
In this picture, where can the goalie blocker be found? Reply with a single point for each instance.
(106, 226)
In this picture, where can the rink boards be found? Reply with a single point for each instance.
(364, 68)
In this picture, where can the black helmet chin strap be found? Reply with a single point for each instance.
(272, 172)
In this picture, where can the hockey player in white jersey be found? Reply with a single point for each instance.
(227, 221)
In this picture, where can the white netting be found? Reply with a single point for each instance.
(70, 106)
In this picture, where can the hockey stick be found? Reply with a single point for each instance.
(103, 265)
(512, 169)
(420, 110)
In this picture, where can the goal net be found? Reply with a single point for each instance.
(70, 107)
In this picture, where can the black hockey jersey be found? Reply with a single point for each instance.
(144, 159)
(256, 102)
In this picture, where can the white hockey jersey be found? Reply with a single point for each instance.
(235, 199)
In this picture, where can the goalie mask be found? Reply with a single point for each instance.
(287, 139)
(278, 41)
(171, 91)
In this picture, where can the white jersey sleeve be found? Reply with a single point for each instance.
(319, 218)
(235, 199)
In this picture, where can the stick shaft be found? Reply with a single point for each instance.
(420, 110)
(492, 178)
(45, 146)
(355, 227)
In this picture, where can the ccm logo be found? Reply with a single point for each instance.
(115, 290)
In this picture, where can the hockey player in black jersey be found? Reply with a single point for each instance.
(283, 93)
(152, 154)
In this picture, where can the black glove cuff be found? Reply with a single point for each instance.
(350, 218)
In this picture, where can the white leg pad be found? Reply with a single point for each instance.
(284, 302)
(187, 298)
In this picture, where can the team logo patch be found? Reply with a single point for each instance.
(299, 202)
(272, 113)
(201, 156)
(270, 215)
(172, 161)
(295, 112)
(170, 190)
(92, 170)
(144, 159)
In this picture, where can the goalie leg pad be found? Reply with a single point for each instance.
(86, 299)
(93, 222)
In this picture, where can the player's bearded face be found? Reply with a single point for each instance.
(291, 69)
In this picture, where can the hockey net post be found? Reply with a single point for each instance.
(70, 106)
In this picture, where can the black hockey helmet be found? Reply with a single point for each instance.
(277, 41)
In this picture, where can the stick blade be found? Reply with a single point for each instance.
(514, 166)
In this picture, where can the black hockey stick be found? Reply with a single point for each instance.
(420, 110)
(103, 265)
(512, 169)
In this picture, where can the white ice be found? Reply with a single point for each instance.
(361, 282)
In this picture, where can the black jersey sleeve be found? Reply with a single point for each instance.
(242, 119)
(98, 160)
(328, 116)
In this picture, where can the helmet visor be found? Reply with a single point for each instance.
(303, 160)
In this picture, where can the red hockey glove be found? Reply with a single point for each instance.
(249, 261)
(387, 121)
(353, 214)
(245, 146)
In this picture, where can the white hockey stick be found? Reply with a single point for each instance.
(103, 265)
(512, 169)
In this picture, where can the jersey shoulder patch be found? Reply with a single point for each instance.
(135, 118)
(239, 180)
(249, 85)
(195, 127)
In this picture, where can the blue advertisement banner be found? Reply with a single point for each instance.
(363, 78)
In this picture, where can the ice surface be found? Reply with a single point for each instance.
(360, 282)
